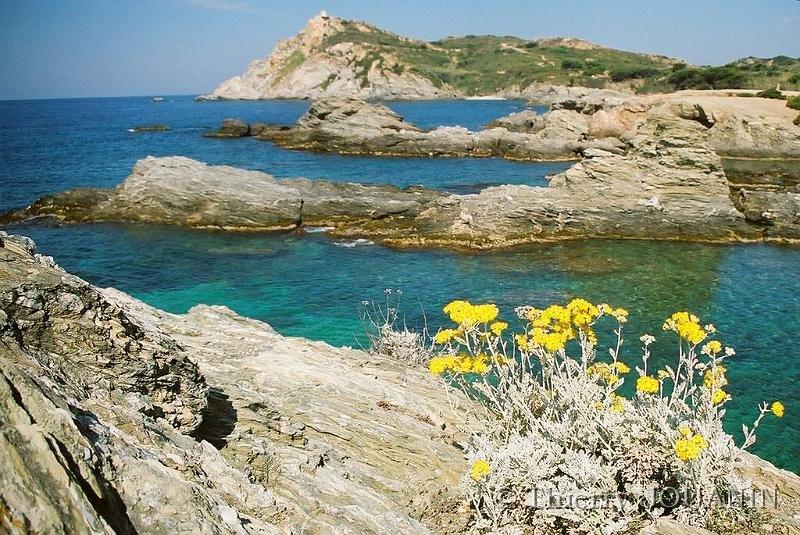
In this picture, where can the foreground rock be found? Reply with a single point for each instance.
(119, 418)
(353, 126)
(181, 191)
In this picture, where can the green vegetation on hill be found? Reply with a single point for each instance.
(486, 64)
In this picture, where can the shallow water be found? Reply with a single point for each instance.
(306, 285)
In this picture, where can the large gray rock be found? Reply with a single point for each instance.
(181, 191)
(293, 436)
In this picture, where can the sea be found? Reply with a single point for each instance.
(314, 286)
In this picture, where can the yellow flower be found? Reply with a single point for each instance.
(715, 378)
(439, 365)
(647, 385)
(480, 469)
(616, 404)
(621, 314)
(687, 326)
(621, 367)
(718, 396)
(689, 448)
(480, 364)
(498, 327)
(445, 335)
(522, 342)
(662, 374)
(777, 409)
(466, 314)
(685, 430)
(712, 348)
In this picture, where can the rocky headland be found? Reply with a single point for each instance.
(120, 418)
(308, 65)
(335, 57)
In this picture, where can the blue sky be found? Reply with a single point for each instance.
(71, 48)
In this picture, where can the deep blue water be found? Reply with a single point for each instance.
(307, 285)
(47, 146)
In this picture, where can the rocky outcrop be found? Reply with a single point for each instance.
(353, 126)
(668, 184)
(108, 426)
(235, 128)
(305, 66)
(280, 435)
(150, 128)
(181, 191)
(583, 99)
(648, 170)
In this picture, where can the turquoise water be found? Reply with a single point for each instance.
(308, 285)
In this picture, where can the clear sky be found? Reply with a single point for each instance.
(71, 48)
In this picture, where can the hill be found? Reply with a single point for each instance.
(337, 57)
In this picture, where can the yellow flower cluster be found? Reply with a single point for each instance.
(647, 385)
(466, 314)
(715, 378)
(777, 409)
(712, 348)
(689, 446)
(460, 364)
(498, 327)
(719, 396)
(616, 403)
(687, 326)
(480, 469)
(608, 372)
(445, 335)
(556, 325)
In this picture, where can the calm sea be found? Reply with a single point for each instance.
(312, 286)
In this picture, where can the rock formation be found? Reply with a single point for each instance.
(181, 191)
(116, 417)
(649, 168)
(305, 67)
(353, 126)
(119, 418)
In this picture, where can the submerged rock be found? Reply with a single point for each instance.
(150, 128)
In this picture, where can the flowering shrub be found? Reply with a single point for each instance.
(556, 446)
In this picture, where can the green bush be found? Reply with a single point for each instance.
(569, 64)
(794, 103)
(771, 93)
(797, 120)
(707, 78)
(632, 73)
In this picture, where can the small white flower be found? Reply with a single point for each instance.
(729, 352)
(647, 339)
